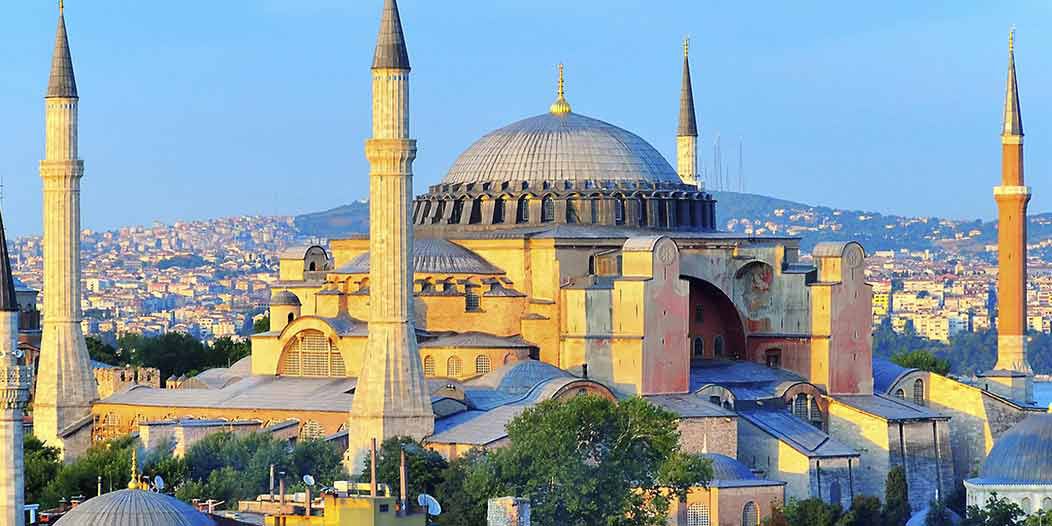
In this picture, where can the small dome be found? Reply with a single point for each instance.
(561, 147)
(286, 298)
(726, 468)
(132, 507)
(1023, 454)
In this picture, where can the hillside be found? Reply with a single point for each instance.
(762, 215)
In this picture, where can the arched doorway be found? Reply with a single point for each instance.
(715, 327)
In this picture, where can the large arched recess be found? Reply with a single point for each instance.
(716, 327)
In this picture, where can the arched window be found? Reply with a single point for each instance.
(717, 347)
(522, 212)
(482, 364)
(750, 516)
(619, 211)
(476, 212)
(458, 211)
(815, 415)
(440, 210)
(313, 266)
(698, 515)
(453, 367)
(292, 316)
(918, 392)
(1025, 504)
(773, 358)
(662, 218)
(642, 211)
(429, 366)
(699, 347)
(311, 354)
(1046, 504)
(547, 209)
(595, 210)
(426, 212)
(498, 210)
(800, 406)
(571, 211)
(508, 358)
(311, 430)
(900, 394)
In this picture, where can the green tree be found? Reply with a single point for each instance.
(102, 352)
(111, 460)
(459, 500)
(424, 466)
(997, 512)
(865, 511)
(777, 517)
(226, 352)
(896, 498)
(811, 512)
(938, 514)
(590, 461)
(42, 463)
(923, 360)
(1039, 518)
(261, 325)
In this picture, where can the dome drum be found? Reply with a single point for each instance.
(661, 206)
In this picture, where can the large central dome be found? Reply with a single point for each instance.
(567, 147)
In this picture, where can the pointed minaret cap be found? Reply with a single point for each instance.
(61, 83)
(8, 300)
(688, 122)
(391, 52)
(1013, 119)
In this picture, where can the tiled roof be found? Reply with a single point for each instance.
(799, 435)
(888, 407)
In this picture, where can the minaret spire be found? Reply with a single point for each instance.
(1013, 118)
(687, 134)
(61, 82)
(392, 398)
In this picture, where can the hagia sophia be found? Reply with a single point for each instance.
(562, 255)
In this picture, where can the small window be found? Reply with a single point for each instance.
(699, 313)
(774, 358)
(900, 394)
(429, 366)
(815, 414)
(482, 364)
(595, 210)
(571, 211)
(642, 211)
(522, 213)
(717, 347)
(750, 516)
(385, 508)
(698, 515)
(458, 211)
(918, 392)
(313, 266)
(715, 400)
(292, 316)
(547, 209)
(454, 367)
(699, 347)
(800, 406)
(619, 211)
(471, 299)
(498, 211)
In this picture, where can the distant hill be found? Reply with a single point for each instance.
(762, 215)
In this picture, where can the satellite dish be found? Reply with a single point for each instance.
(434, 509)
(308, 480)
(158, 483)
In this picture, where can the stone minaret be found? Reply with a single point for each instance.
(65, 383)
(687, 135)
(15, 382)
(1012, 375)
(392, 396)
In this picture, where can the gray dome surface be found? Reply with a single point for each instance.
(567, 147)
(1023, 454)
(433, 256)
(285, 297)
(727, 468)
(134, 508)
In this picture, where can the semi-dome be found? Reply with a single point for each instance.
(560, 147)
(1023, 454)
(284, 297)
(133, 507)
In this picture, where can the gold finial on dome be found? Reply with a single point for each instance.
(134, 482)
(560, 106)
(61, 6)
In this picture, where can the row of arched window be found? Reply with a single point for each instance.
(683, 212)
(455, 366)
(698, 515)
(918, 392)
(806, 408)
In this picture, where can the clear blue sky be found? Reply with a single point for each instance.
(205, 108)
